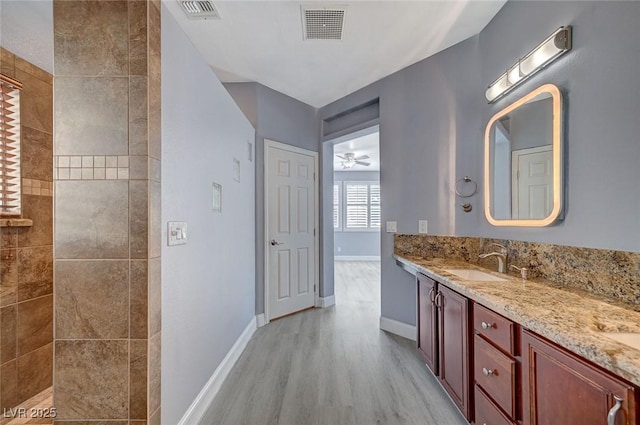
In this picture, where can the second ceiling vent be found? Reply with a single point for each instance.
(199, 9)
(323, 23)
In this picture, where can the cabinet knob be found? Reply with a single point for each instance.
(487, 372)
(611, 416)
(486, 325)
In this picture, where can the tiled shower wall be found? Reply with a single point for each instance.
(107, 216)
(26, 253)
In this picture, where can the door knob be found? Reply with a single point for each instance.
(274, 243)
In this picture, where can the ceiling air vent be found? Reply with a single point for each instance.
(199, 9)
(323, 23)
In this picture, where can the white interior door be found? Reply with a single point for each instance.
(291, 198)
(533, 185)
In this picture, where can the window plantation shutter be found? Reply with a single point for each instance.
(336, 206)
(9, 146)
(374, 200)
(357, 198)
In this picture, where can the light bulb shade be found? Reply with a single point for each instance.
(542, 55)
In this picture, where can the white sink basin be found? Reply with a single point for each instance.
(630, 339)
(472, 274)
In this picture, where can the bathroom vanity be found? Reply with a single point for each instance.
(511, 351)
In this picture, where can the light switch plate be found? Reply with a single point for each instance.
(423, 226)
(176, 233)
(216, 194)
(392, 226)
(236, 169)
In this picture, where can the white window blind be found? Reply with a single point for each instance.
(9, 146)
(336, 206)
(362, 205)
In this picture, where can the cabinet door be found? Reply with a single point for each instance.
(427, 336)
(454, 346)
(559, 388)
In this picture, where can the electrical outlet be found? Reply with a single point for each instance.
(423, 226)
(392, 226)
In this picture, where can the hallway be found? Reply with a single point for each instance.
(332, 367)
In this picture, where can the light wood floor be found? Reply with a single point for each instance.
(43, 400)
(333, 366)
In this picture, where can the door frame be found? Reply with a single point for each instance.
(268, 143)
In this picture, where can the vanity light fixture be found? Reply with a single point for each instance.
(542, 55)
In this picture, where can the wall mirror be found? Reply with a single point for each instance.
(523, 176)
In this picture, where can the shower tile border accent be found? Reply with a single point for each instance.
(91, 167)
(37, 187)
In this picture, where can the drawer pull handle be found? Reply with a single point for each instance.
(611, 417)
(487, 372)
(486, 325)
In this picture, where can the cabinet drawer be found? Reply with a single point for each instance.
(486, 412)
(494, 328)
(495, 372)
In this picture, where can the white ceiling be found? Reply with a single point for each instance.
(364, 145)
(262, 41)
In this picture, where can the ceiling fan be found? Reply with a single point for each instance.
(350, 159)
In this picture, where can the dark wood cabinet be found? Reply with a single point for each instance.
(561, 388)
(443, 338)
(427, 320)
(453, 312)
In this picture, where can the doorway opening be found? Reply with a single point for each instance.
(357, 218)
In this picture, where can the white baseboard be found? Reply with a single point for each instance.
(398, 328)
(196, 411)
(357, 258)
(260, 320)
(326, 301)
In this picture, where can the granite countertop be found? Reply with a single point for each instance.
(571, 319)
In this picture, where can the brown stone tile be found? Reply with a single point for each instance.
(9, 329)
(91, 115)
(8, 238)
(8, 385)
(155, 417)
(8, 276)
(7, 63)
(153, 72)
(91, 37)
(138, 123)
(138, 38)
(40, 210)
(138, 167)
(138, 218)
(138, 379)
(155, 296)
(35, 267)
(35, 324)
(35, 372)
(155, 226)
(92, 422)
(141, 422)
(35, 71)
(154, 170)
(36, 155)
(138, 300)
(36, 102)
(92, 299)
(92, 219)
(91, 379)
(154, 372)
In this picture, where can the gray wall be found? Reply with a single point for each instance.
(280, 118)
(432, 118)
(208, 284)
(356, 244)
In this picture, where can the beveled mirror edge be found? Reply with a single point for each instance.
(558, 171)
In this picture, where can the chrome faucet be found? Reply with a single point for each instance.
(503, 257)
